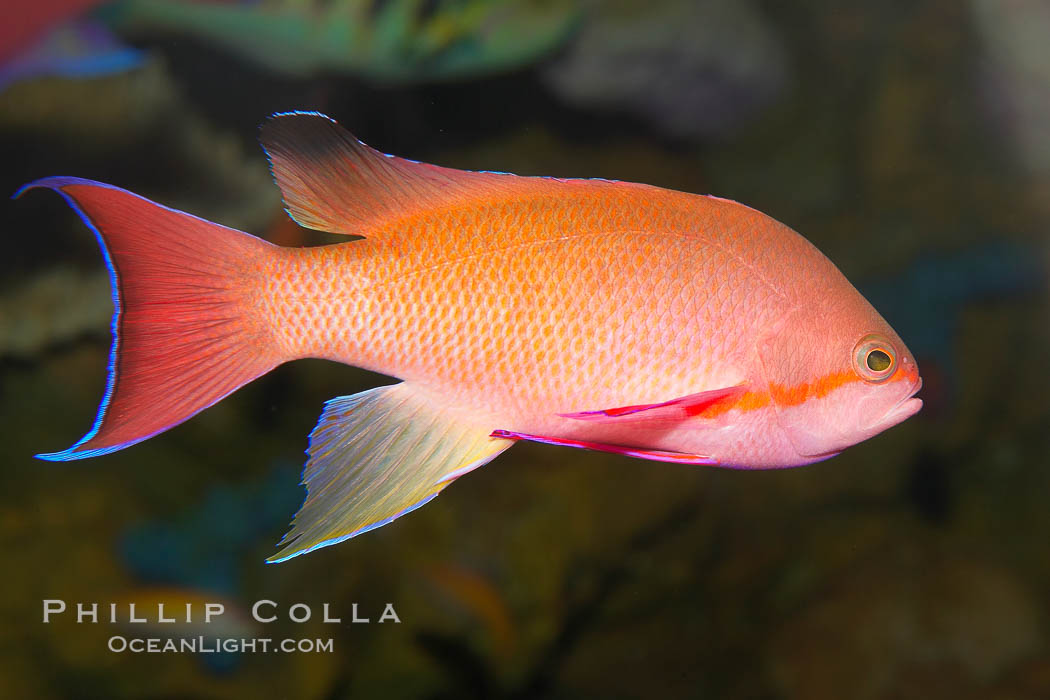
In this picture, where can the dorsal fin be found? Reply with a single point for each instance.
(332, 182)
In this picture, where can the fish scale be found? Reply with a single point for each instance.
(569, 292)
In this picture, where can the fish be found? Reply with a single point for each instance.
(172, 612)
(32, 21)
(386, 42)
(587, 313)
(53, 38)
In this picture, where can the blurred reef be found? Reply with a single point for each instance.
(695, 70)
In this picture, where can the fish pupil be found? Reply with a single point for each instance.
(878, 361)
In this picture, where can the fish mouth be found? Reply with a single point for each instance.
(905, 408)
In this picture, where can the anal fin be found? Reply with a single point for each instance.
(375, 456)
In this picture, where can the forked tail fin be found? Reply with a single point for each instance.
(185, 333)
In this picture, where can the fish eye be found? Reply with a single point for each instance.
(878, 360)
(874, 359)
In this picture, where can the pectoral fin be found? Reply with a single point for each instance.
(375, 456)
(705, 403)
(640, 452)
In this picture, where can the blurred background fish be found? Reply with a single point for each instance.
(186, 609)
(58, 38)
(388, 41)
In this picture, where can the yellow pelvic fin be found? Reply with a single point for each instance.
(375, 456)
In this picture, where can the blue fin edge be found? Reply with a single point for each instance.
(314, 113)
(56, 183)
(355, 533)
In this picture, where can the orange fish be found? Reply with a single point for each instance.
(589, 313)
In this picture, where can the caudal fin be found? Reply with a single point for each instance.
(184, 331)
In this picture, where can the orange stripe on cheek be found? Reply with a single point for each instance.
(800, 393)
(793, 395)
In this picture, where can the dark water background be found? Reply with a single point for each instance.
(910, 141)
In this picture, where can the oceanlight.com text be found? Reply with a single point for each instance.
(212, 645)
